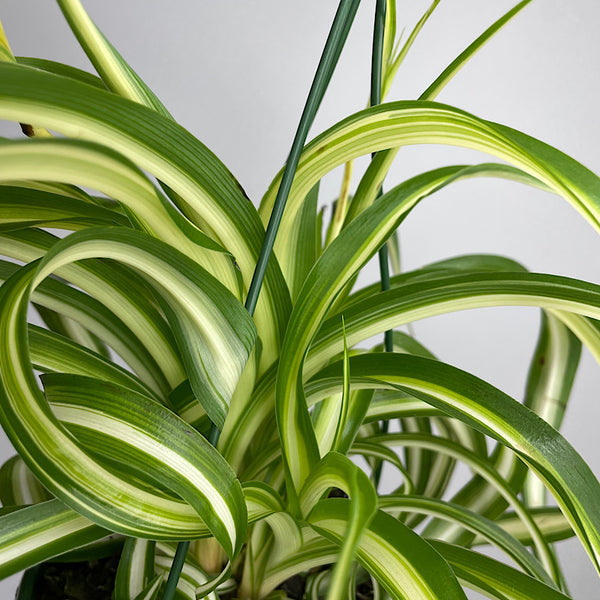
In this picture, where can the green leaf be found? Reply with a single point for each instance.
(110, 545)
(193, 577)
(91, 165)
(66, 190)
(314, 552)
(404, 564)
(68, 471)
(53, 353)
(483, 498)
(145, 442)
(115, 72)
(394, 62)
(152, 590)
(61, 69)
(213, 332)
(468, 263)
(211, 197)
(410, 302)
(493, 578)
(418, 122)
(136, 569)
(450, 71)
(345, 256)
(448, 293)
(548, 387)
(487, 409)
(477, 464)
(57, 323)
(336, 470)
(549, 384)
(345, 399)
(20, 207)
(261, 500)
(307, 243)
(489, 530)
(141, 338)
(378, 453)
(359, 403)
(35, 533)
(376, 172)
(330, 417)
(240, 428)
(550, 520)
(19, 486)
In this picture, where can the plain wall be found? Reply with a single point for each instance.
(236, 74)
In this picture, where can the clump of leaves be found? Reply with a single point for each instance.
(197, 387)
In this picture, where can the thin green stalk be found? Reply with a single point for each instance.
(395, 63)
(377, 55)
(376, 79)
(384, 265)
(176, 568)
(183, 547)
(331, 53)
(384, 270)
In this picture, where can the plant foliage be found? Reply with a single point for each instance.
(178, 392)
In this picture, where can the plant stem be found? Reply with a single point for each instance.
(377, 55)
(176, 568)
(384, 265)
(331, 53)
(376, 77)
(384, 270)
(182, 547)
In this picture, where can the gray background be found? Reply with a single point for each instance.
(236, 74)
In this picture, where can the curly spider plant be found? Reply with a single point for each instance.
(192, 394)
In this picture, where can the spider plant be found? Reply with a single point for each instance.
(192, 394)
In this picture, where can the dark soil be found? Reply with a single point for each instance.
(95, 580)
(364, 591)
(294, 586)
(92, 580)
(337, 493)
